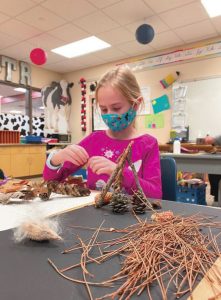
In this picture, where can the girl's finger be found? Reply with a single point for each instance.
(103, 170)
(81, 152)
(69, 156)
(96, 166)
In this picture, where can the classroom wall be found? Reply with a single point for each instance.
(40, 76)
(189, 70)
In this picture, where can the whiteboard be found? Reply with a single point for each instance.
(203, 107)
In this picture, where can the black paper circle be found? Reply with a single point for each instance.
(93, 86)
(144, 34)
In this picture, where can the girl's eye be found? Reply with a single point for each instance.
(104, 111)
(116, 109)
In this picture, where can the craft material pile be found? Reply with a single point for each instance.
(170, 251)
(37, 230)
(20, 191)
(117, 199)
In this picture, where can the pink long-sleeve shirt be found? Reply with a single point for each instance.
(145, 156)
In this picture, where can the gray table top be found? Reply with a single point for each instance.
(25, 273)
(214, 156)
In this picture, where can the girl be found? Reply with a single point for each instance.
(119, 97)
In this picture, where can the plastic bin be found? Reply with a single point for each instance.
(32, 139)
(195, 194)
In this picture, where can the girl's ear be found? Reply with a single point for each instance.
(137, 103)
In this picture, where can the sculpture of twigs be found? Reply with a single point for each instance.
(171, 252)
(115, 182)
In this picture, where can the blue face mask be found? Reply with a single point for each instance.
(119, 122)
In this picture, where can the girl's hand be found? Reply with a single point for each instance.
(73, 153)
(101, 165)
(209, 140)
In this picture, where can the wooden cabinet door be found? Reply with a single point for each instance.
(20, 164)
(5, 160)
(37, 155)
(5, 164)
(37, 162)
(23, 161)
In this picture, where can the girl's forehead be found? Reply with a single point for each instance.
(108, 95)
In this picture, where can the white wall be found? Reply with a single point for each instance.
(191, 69)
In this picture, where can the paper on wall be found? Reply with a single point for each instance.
(154, 121)
(145, 108)
(179, 105)
(179, 91)
(179, 121)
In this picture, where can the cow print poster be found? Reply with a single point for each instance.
(57, 101)
(21, 123)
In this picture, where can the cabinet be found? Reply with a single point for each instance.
(22, 160)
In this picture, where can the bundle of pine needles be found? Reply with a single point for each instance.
(172, 252)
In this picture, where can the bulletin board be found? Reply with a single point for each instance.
(203, 107)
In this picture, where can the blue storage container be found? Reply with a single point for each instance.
(32, 139)
(195, 194)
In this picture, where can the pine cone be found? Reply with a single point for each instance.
(28, 192)
(139, 203)
(98, 202)
(44, 192)
(119, 203)
(69, 189)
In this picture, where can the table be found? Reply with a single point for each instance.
(198, 163)
(13, 214)
(25, 273)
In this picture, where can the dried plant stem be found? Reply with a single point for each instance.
(147, 202)
(172, 252)
(118, 168)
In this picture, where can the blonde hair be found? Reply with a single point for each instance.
(123, 79)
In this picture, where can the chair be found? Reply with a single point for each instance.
(168, 178)
(82, 172)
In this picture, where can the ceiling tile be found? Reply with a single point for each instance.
(165, 40)
(41, 18)
(46, 41)
(90, 24)
(18, 29)
(134, 48)
(27, 24)
(53, 58)
(6, 40)
(3, 18)
(90, 59)
(196, 31)
(157, 24)
(13, 7)
(69, 9)
(110, 54)
(60, 67)
(217, 23)
(37, 1)
(69, 33)
(128, 11)
(75, 64)
(159, 6)
(185, 15)
(19, 51)
(102, 3)
(116, 36)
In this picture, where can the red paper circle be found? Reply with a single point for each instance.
(38, 56)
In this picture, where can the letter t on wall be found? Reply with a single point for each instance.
(10, 64)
